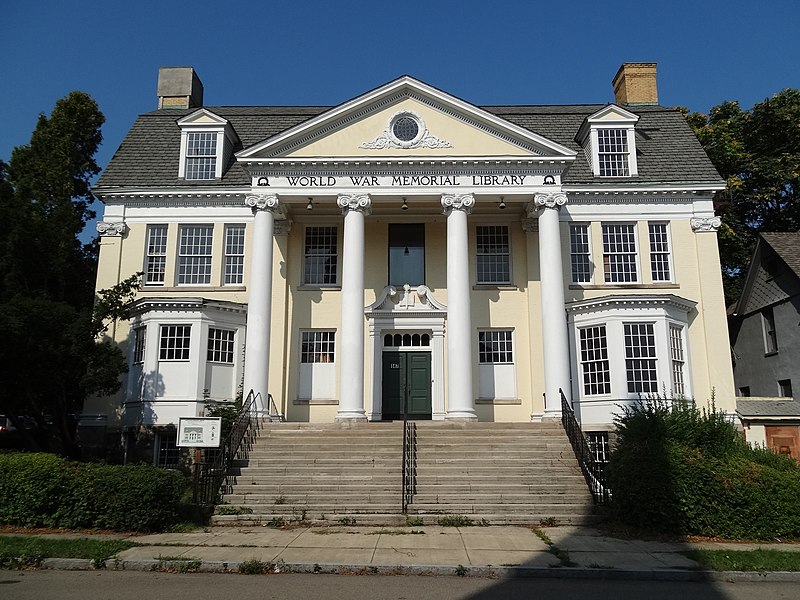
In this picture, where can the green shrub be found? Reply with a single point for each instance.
(42, 490)
(677, 469)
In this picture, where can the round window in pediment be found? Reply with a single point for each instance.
(406, 129)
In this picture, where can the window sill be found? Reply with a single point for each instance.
(318, 401)
(624, 286)
(489, 287)
(318, 288)
(499, 401)
(773, 353)
(194, 288)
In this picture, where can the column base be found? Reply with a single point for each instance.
(537, 417)
(461, 416)
(551, 415)
(350, 416)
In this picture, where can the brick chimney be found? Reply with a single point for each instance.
(635, 83)
(179, 87)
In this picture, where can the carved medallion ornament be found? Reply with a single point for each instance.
(552, 200)
(108, 229)
(405, 130)
(359, 202)
(704, 224)
(463, 202)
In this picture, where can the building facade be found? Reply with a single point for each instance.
(765, 341)
(407, 251)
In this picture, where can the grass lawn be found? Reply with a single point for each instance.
(16, 550)
(746, 560)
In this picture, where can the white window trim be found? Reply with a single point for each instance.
(670, 261)
(765, 328)
(609, 117)
(228, 227)
(636, 253)
(503, 372)
(337, 283)
(179, 255)
(510, 254)
(205, 121)
(587, 226)
(185, 146)
(148, 256)
(613, 312)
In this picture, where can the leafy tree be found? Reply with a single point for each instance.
(50, 357)
(757, 151)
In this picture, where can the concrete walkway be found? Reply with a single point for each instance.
(577, 552)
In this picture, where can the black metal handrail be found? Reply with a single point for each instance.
(409, 462)
(212, 476)
(274, 415)
(593, 470)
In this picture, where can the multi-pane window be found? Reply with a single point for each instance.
(612, 152)
(220, 345)
(156, 257)
(194, 254)
(139, 335)
(580, 253)
(174, 342)
(659, 252)
(317, 347)
(201, 155)
(594, 361)
(495, 347)
(233, 262)
(678, 359)
(599, 446)
(619, 253)
(493, 254)
(168, 453)
(320, 256)
(640, 358)
(770, 335)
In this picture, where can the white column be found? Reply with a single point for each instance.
(554, 323)
(259, 300)
(460, 400)
(350, 353)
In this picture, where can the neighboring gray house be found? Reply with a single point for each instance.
(765, 338)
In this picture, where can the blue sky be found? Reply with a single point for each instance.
(323, 53)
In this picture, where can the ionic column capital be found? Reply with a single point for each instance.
(547, 200)
(704, 224)
(451, 202)
(359, 202)
(111, 229)
(267, 202)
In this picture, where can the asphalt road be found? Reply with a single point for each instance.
(120, 585)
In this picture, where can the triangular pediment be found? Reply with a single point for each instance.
(608, 116)
(405, 119)
(202, 116)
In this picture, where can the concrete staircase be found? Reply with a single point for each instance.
(351, 474)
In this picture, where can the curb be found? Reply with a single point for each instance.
(218, 566)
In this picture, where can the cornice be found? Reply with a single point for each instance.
(629, 301)
(143, 305)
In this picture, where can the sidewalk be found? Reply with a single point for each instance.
(572, 552)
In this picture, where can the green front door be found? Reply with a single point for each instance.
(406, 385)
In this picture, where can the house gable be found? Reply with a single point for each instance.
(446, 127)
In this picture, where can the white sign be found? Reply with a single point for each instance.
(199, 432)
(400, 181)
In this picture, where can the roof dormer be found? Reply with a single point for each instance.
(207, 141)
(608, 139)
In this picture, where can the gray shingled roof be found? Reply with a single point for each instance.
(763, 407)
(667, 150)
(787, 246)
